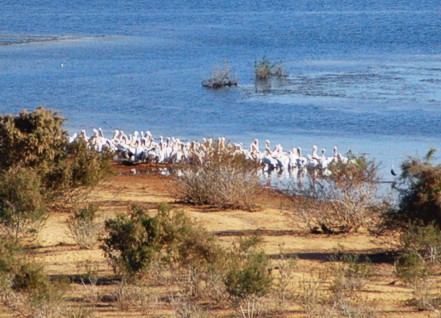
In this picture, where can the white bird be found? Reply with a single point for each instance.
(301, 161)
(73, 138)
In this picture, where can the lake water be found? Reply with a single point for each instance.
(363, 75)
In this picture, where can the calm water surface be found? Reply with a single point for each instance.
(364, 75)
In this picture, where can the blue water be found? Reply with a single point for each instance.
(364, 75)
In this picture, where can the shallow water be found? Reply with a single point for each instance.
(364, 75)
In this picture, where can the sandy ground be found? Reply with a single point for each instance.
(282, 237)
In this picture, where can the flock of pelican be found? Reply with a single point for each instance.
(141, 147)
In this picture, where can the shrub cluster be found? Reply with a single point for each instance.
(199, 266)
(138, 239)
(22, 204)
(419, 191)
(25, 287)
(247, 272)
(37, 162)
(37, 140)
(264, 70)
(222, 180)
(32, 139)
(220, 78)
(341, 202)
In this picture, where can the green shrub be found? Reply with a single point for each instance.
(25, 287)
(21, 203)
(420, 252)
(247, 272)
(222, 180)
(343, 201)
(30, 277)
(249, 277)
(31, 138)
(9, 254)
(88, 166)
(136, 240)
(37, 140)
(419, 191)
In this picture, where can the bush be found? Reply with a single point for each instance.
(222, 180)
(137, 240)
(9, 252)
(419, 192)
(25, 287)
(31, 138)
(37, 140)
(342, 202)
(264, 70)
(88, 166)
(82, 226)
(220, 78)
(420, 252)
(247, 272)
(345, 280)
(21, 203)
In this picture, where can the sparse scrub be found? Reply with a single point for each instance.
(343, 298)
(342, 202)
(89, 280)
(223, 180)
(247, 275)
(426, 295)
(184, 308)
(420, 252)
(283, 283)
(349, 276)
(22, 205)
(82, 226)
(220, 78)
(79, 312)
(27, 290)
(136, 295)
(264, 69)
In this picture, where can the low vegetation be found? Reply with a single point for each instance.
(24, 285)
(139, 239)
(265, 69)
(341, 202)
(221, 77)
(22, 204)
(222, 180)
(36, 167)
(83, 227)
(346, 279)
(419, 189)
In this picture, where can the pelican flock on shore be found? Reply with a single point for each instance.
(142, 147)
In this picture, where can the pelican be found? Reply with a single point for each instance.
(73, 138)
(301, 161)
